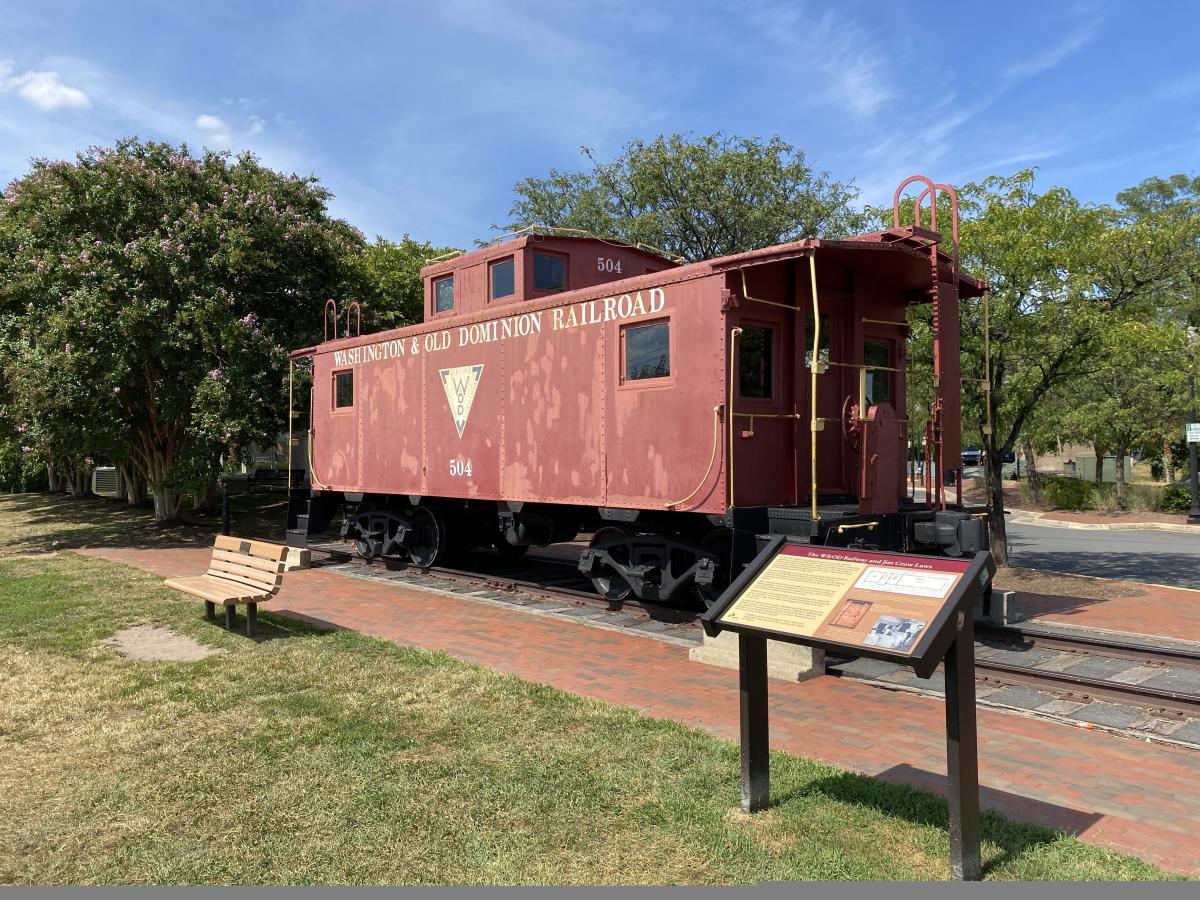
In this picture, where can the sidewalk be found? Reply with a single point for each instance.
(1099, 521)
(1139, 798)
(1153, 610)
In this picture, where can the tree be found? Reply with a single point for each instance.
(1134, 399)
(1062, 276)
(696, 198)
(149, 297)
(388, 276)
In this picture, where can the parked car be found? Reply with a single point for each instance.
(972, 456)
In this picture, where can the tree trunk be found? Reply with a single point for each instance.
(1120, 473)
(205, 498)
(54, 479)
(132, 485)
(166, 504)
(1035, 483)
(81, 484)
(166, 499)
(1099, 464)
(996, 514)
(993, 465)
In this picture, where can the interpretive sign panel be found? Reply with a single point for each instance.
(885, 605)
(914, 610)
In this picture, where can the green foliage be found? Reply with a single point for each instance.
(388, 279)
(20, 470)
(1068, 493)
(1176, 499)
(694, 197)
(150, 296)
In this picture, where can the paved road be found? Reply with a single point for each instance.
(1162, 557)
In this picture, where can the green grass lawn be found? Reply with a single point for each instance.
(333, 757)
(37, 523)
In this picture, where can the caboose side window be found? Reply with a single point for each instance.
(647, 351)
(503, 279)
(343, 389)
(879, 384)
(443, 294)
(756, 361)
(549, 272)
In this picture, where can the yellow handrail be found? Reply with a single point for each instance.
(733, 335)
(711, 459)
(815, 423)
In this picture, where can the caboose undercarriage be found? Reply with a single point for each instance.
(674, 558)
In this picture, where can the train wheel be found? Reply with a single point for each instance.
(510, 552)
(720, 542)
(427, 542)
(366, 543)
(609, 584)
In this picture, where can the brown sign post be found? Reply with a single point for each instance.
(916, 611)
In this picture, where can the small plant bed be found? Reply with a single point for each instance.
(336, 758)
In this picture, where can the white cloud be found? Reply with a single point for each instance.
(834, 55)
(45, 90)
(257, 124)
(1054, 54)
(216, 131)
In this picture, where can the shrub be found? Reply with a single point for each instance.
(1104, 497)
(1069, 493)
(1176, 499)
(1144, 497)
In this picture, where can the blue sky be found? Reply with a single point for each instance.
(421, 117)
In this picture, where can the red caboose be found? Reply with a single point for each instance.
(562, 384)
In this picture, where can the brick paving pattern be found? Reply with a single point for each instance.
(1156, 610)
(1139, 798)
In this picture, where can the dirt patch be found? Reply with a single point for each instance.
(1033, 581)
(152, 642)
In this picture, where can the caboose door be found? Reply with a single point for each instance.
(835, 471)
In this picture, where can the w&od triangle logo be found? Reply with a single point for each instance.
(460, 383)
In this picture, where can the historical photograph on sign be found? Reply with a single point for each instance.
(851, 614)
(894, 633)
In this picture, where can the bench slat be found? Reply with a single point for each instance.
(258, 576)
(252, 583)
(217, 589)
(245, 559)
(261, 549)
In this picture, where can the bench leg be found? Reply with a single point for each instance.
(251, 619)
(230, 616)
(210, 610)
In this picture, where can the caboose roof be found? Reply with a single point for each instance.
(896, 256)
(505, 248)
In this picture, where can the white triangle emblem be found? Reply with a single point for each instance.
(460, 384)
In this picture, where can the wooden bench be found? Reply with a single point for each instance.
(240, 571)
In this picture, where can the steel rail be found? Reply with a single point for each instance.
(1121, 648)
(1080, 686)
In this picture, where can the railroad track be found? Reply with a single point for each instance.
(557, 579)
(1147, 656)
(533, 574)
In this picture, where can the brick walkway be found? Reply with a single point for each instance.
(1156, 610)
(1135, 797)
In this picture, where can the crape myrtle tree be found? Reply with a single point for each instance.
(694, 197)
(149, 297)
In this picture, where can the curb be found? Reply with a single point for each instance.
(1026, 517)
